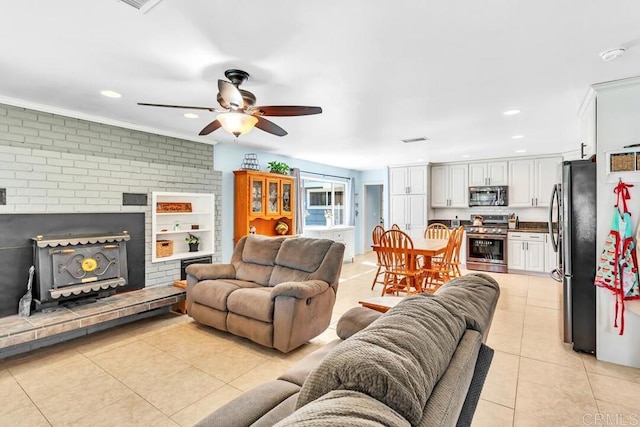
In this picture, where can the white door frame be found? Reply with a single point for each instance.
(366, 233)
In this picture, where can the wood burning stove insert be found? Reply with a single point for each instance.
(78, 266)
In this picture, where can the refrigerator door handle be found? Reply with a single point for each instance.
(554, 196)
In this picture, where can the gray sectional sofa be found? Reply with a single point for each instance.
(276, 291)
(423, 363)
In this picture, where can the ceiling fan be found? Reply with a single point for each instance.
(239, 114)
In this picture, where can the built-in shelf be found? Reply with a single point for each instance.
(202, 215)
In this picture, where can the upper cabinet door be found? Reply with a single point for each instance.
(547, 174)
(477, 174)
(398, 180)
(273, 197)
(521, 174)
(439, 186)
(498, 173)
(458, 186)
(417, 181)
(257, 196)
(287, 197)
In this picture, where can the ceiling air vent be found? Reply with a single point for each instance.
(142, 5)
(418, 139)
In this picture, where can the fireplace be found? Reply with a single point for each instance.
(78, 266)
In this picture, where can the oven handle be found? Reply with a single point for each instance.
(487, 236)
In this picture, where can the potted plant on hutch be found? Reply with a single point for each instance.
(278, 167)
(193, 241)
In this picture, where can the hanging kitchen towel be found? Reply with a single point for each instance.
(618, 266)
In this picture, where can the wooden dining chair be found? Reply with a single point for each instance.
(456, 252)
(376, 234)
(441, 270)
(436, 231)
(395, 227)
(401, 273)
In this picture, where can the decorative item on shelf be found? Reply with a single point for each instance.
(250, 162)
(328, 216)
(193, 241)
(173, 207)
(282, 227)
(278, 167)
(164, 248)
(176, 226)
(195, 227)
(252, 230)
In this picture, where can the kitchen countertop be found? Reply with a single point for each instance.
(529, 230)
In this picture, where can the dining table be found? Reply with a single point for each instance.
(424, 249)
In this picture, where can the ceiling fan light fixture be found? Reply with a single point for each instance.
(237, 123)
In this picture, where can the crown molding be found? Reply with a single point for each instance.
(616, 83)
(98, 119)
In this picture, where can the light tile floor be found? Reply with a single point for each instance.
(170, 371)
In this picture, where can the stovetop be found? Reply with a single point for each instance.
(492, 224)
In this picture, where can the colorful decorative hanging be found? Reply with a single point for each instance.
(618, 266)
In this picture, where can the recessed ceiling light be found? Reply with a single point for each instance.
(517, 137)
(611, 54)
(511, 112)
(464, 156)
(110, 93)
(190, 115)
(521, 151)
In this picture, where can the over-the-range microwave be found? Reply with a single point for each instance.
(494, 195)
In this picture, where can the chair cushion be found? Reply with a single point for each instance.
(387, 362)
(344, 408)
(255, 303)
(214, 293)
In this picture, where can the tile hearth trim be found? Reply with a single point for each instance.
(20, 331)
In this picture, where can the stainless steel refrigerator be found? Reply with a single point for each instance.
(573, 209)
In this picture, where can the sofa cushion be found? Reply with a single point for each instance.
(354, 320)
(300, 371)
(474, 296)
(261, 250)
(344, 408)
(303, 254)
(387, 362)
(214, 293)
(250, 406)
(255, 303)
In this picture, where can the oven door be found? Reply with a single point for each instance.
(487, 248)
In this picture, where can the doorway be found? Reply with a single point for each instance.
(373, 211)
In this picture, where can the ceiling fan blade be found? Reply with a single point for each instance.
(270, 127)
(230, 94)
(287, 110)
(210, 127)
(181, 106)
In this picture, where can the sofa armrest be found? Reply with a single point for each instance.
(300, 290)
(212, 271)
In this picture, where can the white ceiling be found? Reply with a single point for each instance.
(381, 70)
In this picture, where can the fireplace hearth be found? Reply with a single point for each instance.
(74, 267)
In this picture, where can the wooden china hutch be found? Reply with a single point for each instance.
(263, 200)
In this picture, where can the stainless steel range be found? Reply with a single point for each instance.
(487, 243)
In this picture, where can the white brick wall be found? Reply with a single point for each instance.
(51, 163)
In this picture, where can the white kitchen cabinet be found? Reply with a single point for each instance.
(531, 181)
(450, 186)
(409, 212)
(408, 198)
(408, 179)
(341, 234)
(588, 120)
(526, 251)
(173, 218)
(490, 173)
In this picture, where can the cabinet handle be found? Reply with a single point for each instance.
(532, 202)
(522, 244)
